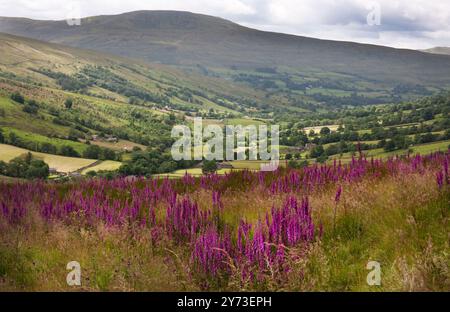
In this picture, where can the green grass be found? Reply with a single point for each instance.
(247, 164)
(318, 128)
(431, 147)
(16, 118)
(39, 139)
(381, 153)
(107, 165)
(121, 145)
(243, 122)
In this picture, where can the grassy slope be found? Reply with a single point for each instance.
(37, 138)
(22, 54)
(106, 165)
(190, 39)
(401, 222)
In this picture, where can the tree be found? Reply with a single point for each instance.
(325, 131)
(13, 139)
(68, 103)
(30, 109)
(67, 150)
(322, 159)
(108, 154)
(446, 135)
(48, 148)
(26, 167)
(209, 166)
(2, 137)
(37, 169)
(16, 168)
(427, 114)
(91, 173)
(333, 149)
(389, 146)
(33, 103)
(317, 151)
(3, 167)
(17, 97)
(168, 166)
(75, 134)
(92, 152)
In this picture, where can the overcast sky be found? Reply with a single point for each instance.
(415, 24)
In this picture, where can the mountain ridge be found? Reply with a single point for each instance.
(438, 50)
(188, 39)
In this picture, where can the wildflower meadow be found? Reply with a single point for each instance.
(307, 229)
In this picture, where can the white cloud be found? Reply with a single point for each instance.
(404, 23)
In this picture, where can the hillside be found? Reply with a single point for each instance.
(438, 50)
(93, 105)
(184, 38)
(116, 103)
(46, 66)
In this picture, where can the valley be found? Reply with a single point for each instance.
(73, 99)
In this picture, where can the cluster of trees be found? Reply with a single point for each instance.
(296, 164)
(92, 151)
(209, 166)
(396, 143)
(403, 142)
(17, 97)
(256, 81)
(145, 163)
(29, 106)
(69, 83)
(410, 88)
(97, 152)
(353, 100)
(144, 127)
(104, 78)
(43, 147)
(297, 137)
(320, 152)
(26, 167)
(365, 117)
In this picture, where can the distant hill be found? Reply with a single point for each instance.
(187, 39)
(111, 94)
(438, 50)
(46, 64)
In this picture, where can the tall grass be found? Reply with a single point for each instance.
(309, 229)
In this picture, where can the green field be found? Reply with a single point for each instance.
(39, 139)
(121, 145)
(420, 149)
(196, 172)
(60, 163)
(243, 122)
(106, 165)
(317, 129)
